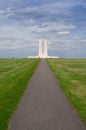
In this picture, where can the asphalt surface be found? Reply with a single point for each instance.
(44, 106)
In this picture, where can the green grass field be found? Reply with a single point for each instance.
(14, 76)
(71, 75)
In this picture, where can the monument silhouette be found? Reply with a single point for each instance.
(43, 50)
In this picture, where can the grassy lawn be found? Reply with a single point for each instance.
(71, 75)
(14, 76)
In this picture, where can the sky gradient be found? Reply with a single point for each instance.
(61, 22)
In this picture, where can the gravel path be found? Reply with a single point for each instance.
(44, 106)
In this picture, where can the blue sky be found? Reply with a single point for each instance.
(61, 22)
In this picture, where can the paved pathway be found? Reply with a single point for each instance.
(44, 106)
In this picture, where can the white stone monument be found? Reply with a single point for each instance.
(43, 49)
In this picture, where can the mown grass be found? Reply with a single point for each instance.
(14, 76)
(71, 75)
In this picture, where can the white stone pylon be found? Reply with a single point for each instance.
(40, 48)
(45, 48)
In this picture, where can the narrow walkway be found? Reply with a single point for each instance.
(44, 106)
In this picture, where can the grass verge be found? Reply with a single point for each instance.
(71, 75)
(14, 76)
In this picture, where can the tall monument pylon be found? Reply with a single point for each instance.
(43, 49)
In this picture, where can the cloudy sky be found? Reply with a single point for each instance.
(61, 22)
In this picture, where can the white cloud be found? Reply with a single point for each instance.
(1, 12)
(19, 32)
(83, 40)
(64, 33)
(63, 6)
